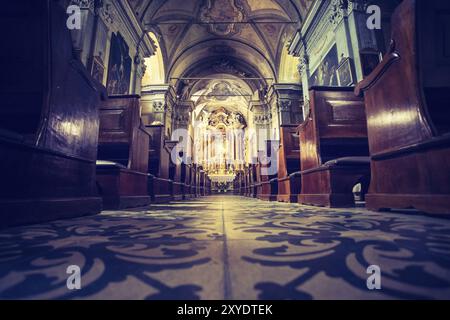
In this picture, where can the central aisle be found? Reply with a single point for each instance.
(228, 247)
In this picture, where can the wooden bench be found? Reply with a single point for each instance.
(249, 181)
(159, 165)
(245, 182)
(202, 182)
(254, 181)
(237, 184)
(269, 181)
(259, 180)
(408, 110)
(194, 179)
(122, 154)
(244, 189)
(334, 148)
(242, 183)
(208, 186)
(289, 179)
(184, 180)
(187, 182)
(177, 172)
(48, 119)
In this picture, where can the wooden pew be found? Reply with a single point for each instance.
(237, 184)
(241, 185)
(194, 181)
(159, 165)
(208, 186)
(408, 110)
(177, 173)
(249, 181)
(246, 182)
(187, 183)
(48, 119)
(182, 179)
(259, 180)
(197, 181)
(185, 173)
(202, 182)
(122, 154)
(254, 181)
(334, 148)
(289, 179)
(269, 183)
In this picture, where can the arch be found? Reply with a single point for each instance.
(155, 73)
(288, 71)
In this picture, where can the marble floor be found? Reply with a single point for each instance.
(229, 247)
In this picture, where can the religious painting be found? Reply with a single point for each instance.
(370, 59)
(326, 72)
(98, 69)
(233, 12)
(119, 70)
(345, 73)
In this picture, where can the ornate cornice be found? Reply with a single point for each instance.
(303, 65)
(106, 14)
(262, 118)
(285, 105)
(357, 5)
(85, 4)
(159, 106)
(338, 10)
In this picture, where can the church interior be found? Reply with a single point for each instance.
(225, 149)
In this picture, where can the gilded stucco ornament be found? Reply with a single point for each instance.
(231, 12)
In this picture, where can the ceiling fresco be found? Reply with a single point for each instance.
(243, 39)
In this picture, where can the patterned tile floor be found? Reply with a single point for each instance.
(227, 247)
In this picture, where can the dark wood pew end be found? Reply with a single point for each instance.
(289, 188)
(121, 187)
(338, 177)
(178, 191)
(270, 190)
(162, 190)
(17, 212)
(426, 162)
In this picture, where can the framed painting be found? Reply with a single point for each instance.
(119, 69)
(325, 73)
(345, 73)
(370, 59)
(98, 69)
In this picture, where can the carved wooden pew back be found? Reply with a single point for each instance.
(122, 154)
(408, 110)
(268, 173)
(289, 182)
(335, 129)
(48, 118)
(159, 164)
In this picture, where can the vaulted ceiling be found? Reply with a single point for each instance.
(195, 42)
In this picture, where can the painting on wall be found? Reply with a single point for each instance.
(370, 59)
(345, 73)
(119, 70)
(326, 72)
(98, 70)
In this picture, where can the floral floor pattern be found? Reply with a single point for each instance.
(229, 247)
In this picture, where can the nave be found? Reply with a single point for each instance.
(229, 247)
(225, 149)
